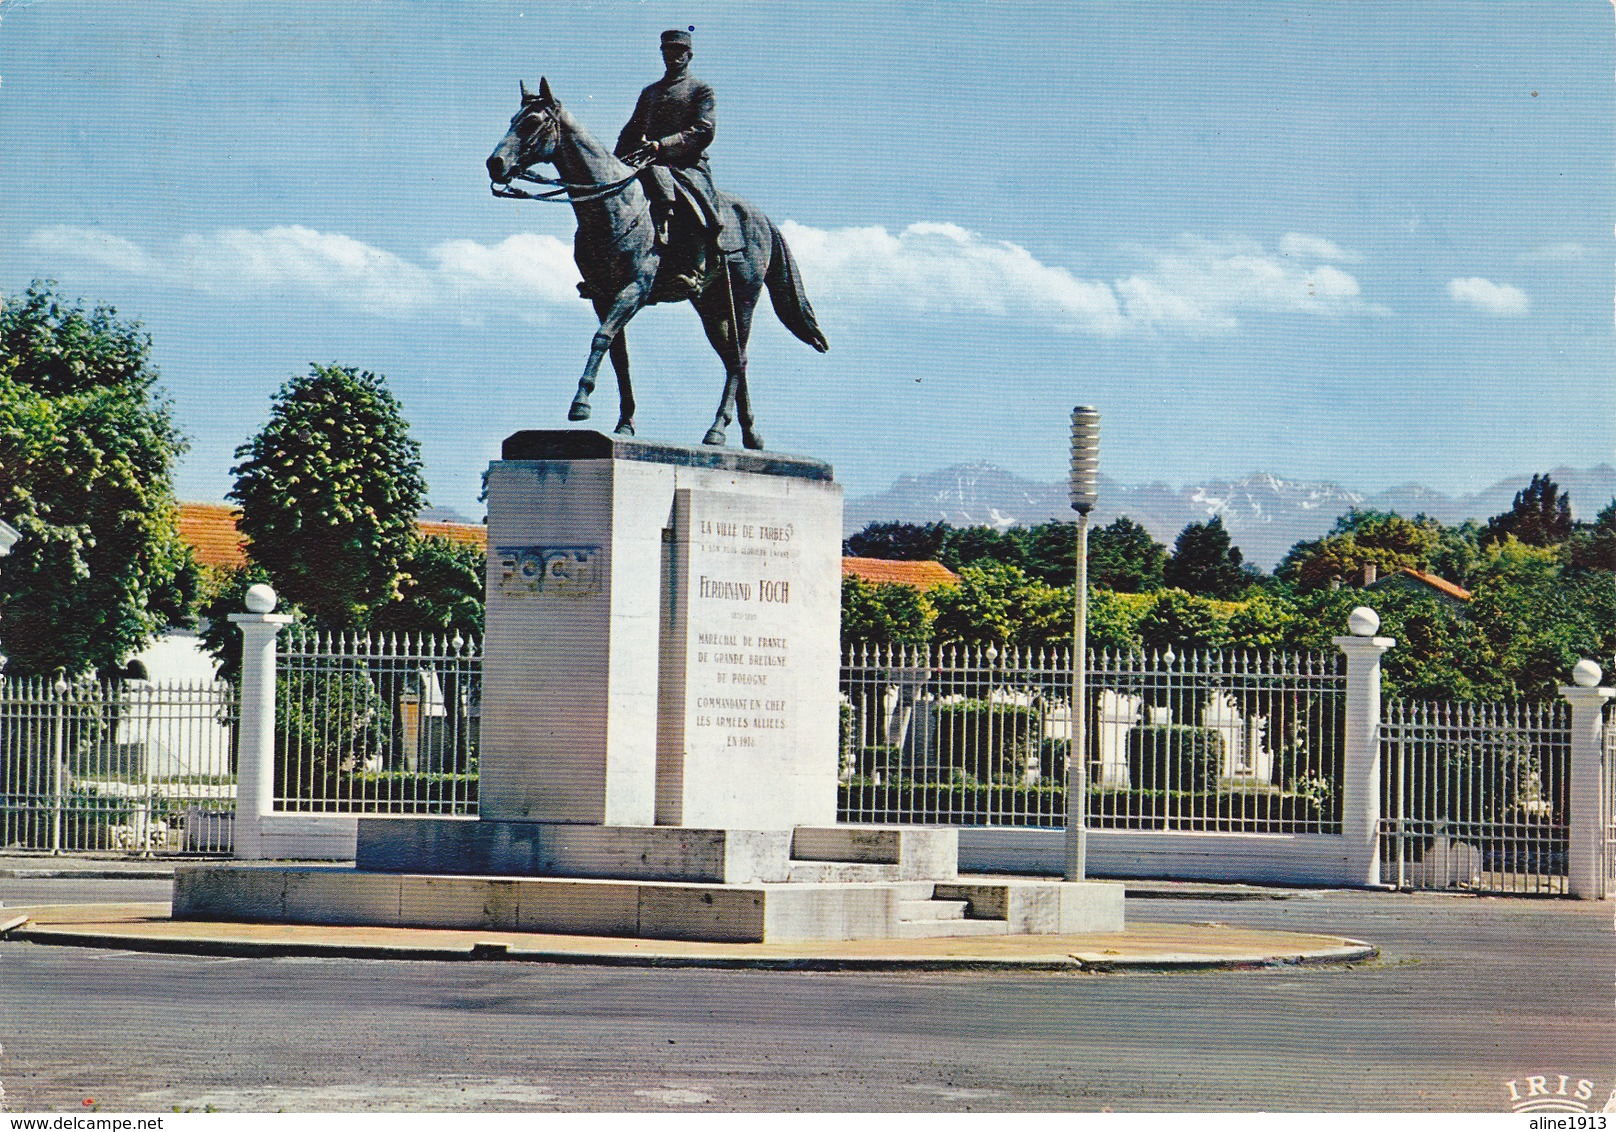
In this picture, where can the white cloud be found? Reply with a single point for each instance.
(1204, 285)
(1566, 252)
(946, 269)
(1198, 286)
(524, 273)
(99, 248)
(540, 268)
(1295, 245)
(1195, 286)
(1489, 297)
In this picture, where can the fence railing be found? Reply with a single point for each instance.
(1211, 741)
(133, 767)
(377, 724)
(1607, 798)
(1476, 796)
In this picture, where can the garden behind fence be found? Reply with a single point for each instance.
(1237, 742)
(1476, 795)
(377, 724)
(131, 767)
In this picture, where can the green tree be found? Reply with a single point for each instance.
(1184, 622)
(1540, 516)
(1592, 546)
(1050, 552)
(1123, 557)
(440, 591)
(904, 542)
(1440, 653)
(968, 546)
(87, 452)
(884, 613)
(1205, 562)
(1534, 622)
(329, 491)
(1114, 620)
(997, 603)
(1385, 540)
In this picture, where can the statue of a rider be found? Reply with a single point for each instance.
(668, 136)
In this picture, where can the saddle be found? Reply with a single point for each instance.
(694, 257)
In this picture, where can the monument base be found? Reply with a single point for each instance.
(652, 882)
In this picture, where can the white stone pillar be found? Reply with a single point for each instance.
(1585, 876)
(1360, 751)
(255, 732)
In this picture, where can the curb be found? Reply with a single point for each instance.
(1356, 951)
(1230, 894)
(87, 874)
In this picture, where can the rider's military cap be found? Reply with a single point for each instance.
(676, 36)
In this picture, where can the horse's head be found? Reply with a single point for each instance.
(535, 130)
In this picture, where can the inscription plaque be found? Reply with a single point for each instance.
(735, 647)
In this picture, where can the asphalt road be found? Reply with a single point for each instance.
(1469, 993)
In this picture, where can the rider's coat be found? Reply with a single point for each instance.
(678, 115)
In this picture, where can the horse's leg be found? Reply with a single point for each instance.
(727, 320)
(715, 321)
(625, 390)
(622, 308)
(750, 437)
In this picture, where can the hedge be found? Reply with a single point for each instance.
(1175, 757)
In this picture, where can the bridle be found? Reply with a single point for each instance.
(565, 192)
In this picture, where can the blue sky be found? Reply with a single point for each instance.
(1362, 242)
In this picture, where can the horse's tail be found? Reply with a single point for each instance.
(786, 293)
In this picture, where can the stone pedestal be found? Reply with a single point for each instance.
(658, 750)
(662, 635)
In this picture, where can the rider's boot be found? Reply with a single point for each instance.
(662, 223)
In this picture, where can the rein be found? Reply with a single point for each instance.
(562, 194)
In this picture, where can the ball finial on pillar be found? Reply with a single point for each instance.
(1363, 622)
(261, 598)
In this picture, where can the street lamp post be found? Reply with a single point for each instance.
(1084, 494)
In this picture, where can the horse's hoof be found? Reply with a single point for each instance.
(624, 428)
(579, 410)
(752, 440)
(715, 436)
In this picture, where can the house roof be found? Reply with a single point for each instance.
(467, 533)
(1441, 585)
(210, 528)
(920, 575)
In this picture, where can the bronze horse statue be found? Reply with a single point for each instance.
(616, 253)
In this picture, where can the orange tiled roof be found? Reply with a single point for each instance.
(210, 528)
(1441, 584)
(920, 575)
(456, 532)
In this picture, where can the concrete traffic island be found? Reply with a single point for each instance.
(1142, 947)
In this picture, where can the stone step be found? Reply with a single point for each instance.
(834, 872)
(932, 909)
(930, 929)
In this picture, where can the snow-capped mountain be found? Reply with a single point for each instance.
(1265, 514)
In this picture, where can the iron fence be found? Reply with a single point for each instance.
(1239, 742)
(124, 767)
(377, 724)
(1475, 796)
(1607, 801)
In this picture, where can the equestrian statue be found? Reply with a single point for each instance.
(653, 229)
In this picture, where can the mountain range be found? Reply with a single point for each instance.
(1264, 514)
